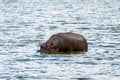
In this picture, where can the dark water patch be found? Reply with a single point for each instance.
(86, 63)
(74, 23)
(23, 77)
(84, 79)
(99, 58)
(24, 60)
(14, 27)
(83, 28)
(53, 27)
(117, 75)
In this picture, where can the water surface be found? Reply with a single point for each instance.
(24, 24)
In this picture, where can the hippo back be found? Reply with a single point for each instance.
(69, 42)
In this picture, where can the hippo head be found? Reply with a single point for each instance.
(48, 48)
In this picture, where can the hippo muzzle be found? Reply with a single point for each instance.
(47, 48)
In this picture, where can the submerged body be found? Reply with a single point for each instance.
(64, 42)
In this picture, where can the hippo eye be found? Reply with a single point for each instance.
(48, 45)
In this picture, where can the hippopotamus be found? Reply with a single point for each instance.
(64, 42)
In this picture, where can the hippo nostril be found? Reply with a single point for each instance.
(42, 46)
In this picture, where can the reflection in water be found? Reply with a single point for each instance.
(26, 24)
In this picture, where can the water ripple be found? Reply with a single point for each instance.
(26, 24)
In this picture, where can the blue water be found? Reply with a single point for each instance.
(24, 24)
